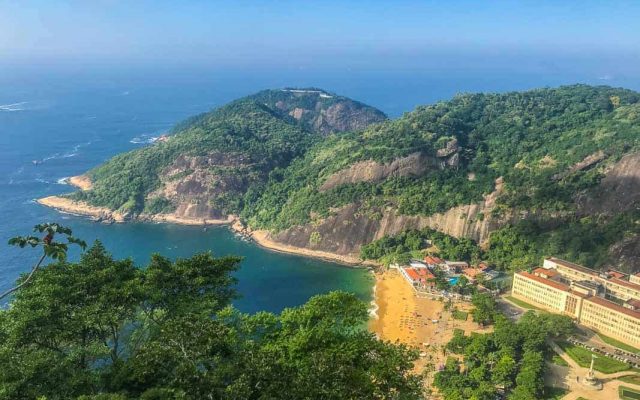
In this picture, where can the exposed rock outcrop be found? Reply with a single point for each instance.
(320, 111)
(190, 183)
(414, 164)
(625, 255)
(618, 191)
(351, 227)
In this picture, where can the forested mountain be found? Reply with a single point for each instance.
(206, 166)
(548, 171)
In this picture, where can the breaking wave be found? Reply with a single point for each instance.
(144, 139)
(75, 150)
(21, 106)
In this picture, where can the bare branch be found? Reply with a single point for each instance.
(26, 281)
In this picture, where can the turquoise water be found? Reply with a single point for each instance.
(71, 125)
(70, 120)
(453, 281)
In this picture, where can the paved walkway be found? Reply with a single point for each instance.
(566, 378)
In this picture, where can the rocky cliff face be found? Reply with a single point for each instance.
(202, 187)
(618, 191)
(193, 183)
(353, 226)
(320, 111)
(414, 164)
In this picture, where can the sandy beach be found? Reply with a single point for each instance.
(415, 321)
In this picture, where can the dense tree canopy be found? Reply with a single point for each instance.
(534, 140)
(103, 329)
(508, 361)
(530, 139)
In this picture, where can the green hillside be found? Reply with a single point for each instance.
(243, 128)
(285, 161)
(531, 139)
(241, 142)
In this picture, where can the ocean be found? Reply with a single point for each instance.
(60, 123)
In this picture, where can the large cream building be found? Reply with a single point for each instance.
(607, 302)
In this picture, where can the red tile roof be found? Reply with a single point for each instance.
(425, 273)
(433, 260)
(413, 275)
(634, 303)
(616, 274)
(472, 272)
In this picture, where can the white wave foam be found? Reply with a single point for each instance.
(63, 180)
(71, 153)
(14, 107)
(373, 308)
(144, 139)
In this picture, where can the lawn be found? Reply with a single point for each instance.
(556, 359)
(602, 363)
(626, 393)
(460, 315)
(522, 304)
(618, 344)
(634, 379)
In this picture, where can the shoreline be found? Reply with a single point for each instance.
(82, 182)
(392, 304)
(260, 237)
(103, 214)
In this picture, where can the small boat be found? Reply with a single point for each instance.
(36, 162)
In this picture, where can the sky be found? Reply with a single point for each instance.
(241, 32)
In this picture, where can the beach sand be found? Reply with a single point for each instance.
(405, 318)
(401, 315)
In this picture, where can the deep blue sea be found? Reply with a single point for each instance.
(72, 120)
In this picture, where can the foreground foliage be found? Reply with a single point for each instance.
(104, 329)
